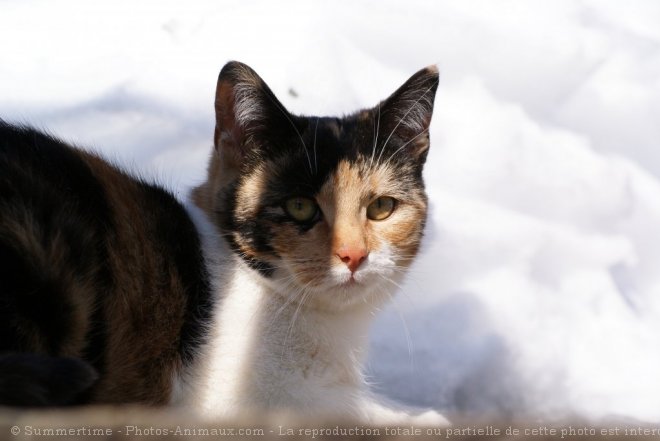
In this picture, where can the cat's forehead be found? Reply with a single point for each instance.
(327, 141)
(332, 155)
(360, 179)
(324, 139)
(330, 169)
(350, 136)
(331, 126)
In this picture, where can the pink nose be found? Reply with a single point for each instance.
(352, 257)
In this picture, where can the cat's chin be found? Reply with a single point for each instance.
(353, 295)
(331, 294)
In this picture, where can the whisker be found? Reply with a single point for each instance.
(284, 112)
(406, 331)
(295, 314)
(377, 129)
(316, 165)
(290, 299)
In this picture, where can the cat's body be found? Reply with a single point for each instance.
(88, 269)
(258, 294)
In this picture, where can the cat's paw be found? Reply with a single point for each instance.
(430, 418)
(381, 415)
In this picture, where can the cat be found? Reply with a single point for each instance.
(255, 294)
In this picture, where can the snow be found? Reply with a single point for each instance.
(537, 294)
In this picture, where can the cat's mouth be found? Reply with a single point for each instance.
(357, 280)
(351, 282)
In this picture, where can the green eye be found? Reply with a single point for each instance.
(381, 208)
(301, 209)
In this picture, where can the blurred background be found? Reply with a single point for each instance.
(537, 294)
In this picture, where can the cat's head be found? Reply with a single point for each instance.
(329, 210)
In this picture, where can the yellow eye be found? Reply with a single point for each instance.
(301, 209)
(381, 208)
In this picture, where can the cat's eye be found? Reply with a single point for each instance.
(301, 209)
(381, 208)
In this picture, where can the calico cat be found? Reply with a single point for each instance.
(256, 294)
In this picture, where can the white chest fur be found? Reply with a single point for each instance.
(266, 353)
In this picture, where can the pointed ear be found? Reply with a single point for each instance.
(406, 114)
(245, 108)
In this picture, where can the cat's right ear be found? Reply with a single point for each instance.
(407, 113)
(245, 108)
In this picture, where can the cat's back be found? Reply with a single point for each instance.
(95, 265)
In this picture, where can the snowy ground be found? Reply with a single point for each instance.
(538, 292)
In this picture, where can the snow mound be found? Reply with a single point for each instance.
(537, 293)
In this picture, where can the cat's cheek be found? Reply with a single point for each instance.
(403, 232)
(293, 245)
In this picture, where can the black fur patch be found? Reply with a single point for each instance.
(33, 304)
(31, 380)
(51, 186)
(257, 237)
(48, 181)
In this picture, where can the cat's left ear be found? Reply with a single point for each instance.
(406, 114)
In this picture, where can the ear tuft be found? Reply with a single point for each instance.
(412, 104)
(407, 112)
(245, 109)
(239, 94)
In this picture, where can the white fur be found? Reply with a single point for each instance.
(267, 352)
